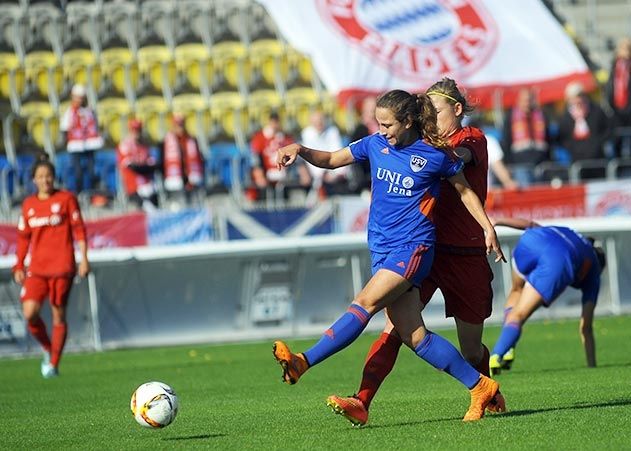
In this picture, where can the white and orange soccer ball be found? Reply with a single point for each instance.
(154, 405)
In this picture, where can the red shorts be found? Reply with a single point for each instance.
(465, 281)
(38, 288)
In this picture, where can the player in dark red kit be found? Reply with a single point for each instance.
(49, 223)
(460, 268)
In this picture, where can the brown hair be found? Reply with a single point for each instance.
(42, 160)
(448, 89)
(417, 108)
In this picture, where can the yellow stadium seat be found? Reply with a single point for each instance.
(231, 70)
(300, 102)
(43, 71)
(11, 76)
(152, 110)
(80, 66)
(196, 113)
(343, 118)
(300, 69)
(119, 65)
(157, 63)
(269, 64)
(260, 104)
(39, 116)
(112, 114)
(193, 61)
(228, 115)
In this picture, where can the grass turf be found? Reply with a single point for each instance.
(231, 397)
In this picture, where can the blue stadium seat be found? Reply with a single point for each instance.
(65, 171)
(106, 169)
(225, 163)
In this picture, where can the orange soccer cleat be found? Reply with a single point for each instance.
(294, 365)
(497, 404)
(351, 408)
(481, 396)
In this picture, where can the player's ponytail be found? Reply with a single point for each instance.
(600, 253)
(42, 159)
(427, 122)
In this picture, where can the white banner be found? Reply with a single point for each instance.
(608, 198)
(371, 46)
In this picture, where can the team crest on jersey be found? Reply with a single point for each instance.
(420, 40)
(417, 163)
(30, 212)
(55, 207)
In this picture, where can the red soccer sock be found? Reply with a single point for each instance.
(37, 328)
(379, 362)
(58, 342)
(483, 365)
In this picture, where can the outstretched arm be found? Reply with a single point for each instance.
(587, 333)
(321, 158)
(515, 223)
(470, 199)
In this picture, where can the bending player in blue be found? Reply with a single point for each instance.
(548, 259)
(407, 165)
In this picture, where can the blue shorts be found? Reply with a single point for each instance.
(412, 261)
(545, 269)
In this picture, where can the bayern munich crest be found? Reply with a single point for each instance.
(418, 39)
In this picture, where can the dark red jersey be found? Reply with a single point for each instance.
(46, 229)
(454, 224)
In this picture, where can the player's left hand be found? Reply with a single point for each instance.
(493, 245)
(84, 268)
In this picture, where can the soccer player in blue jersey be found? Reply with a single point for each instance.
(407, 164)
(546, 261)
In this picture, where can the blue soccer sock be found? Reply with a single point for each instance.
(508, 338)
(442, 355)
(342, 333)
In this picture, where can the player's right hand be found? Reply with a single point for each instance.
(285, 156)
(19, 276)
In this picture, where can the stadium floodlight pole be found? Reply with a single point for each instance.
(94, 312)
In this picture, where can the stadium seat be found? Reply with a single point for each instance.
(619, 168)
(119, 65)
(588, 170)
(260, 104)
(152, 110)
(105, 166)
(193, 64)
(301, 72)
(343, 117)
(113, 113)
(227, 23)
(196, 113)
(64, 171)
(550, 171)
(12, 79)
(300, 102)
(259, 25)
(268, 64)
(229, 116)
(42, 125)
(230, 67)
(43, 72)
(226, 166)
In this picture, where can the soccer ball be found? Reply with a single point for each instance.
(154, 405)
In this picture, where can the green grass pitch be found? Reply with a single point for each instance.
(231, 397)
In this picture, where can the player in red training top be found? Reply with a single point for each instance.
(460, 270)
(49, 222)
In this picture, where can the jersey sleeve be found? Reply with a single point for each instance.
(359, 148)
(473, 143)
(24, 239)
(76, 221)
(450, 167)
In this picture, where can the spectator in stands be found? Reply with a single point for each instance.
(80, 125)
(137, 167)
(320, 134)
(618, 95)
(265, 173)
(367, 126)
(583, 127)
(182, 160)
(525, 137)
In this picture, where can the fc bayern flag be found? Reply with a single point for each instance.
(487, 46)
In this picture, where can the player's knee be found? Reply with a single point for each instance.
(367, 303)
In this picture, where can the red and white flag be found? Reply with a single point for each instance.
(487, 46)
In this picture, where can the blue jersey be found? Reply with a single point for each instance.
(405, 186)
(552, 258)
